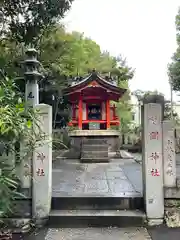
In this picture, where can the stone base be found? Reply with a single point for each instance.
(93, 145)
(171, 193)
(155, 222)
(39, 223)
(19, 225)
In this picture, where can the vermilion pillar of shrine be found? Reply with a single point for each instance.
(80, 109)
(73, 111)
(108, 113)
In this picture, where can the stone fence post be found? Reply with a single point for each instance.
(42, 167)
(153, 160)
(169, 155)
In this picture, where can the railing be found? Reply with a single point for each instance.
(112, 122)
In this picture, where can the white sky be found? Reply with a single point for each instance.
(143, 31)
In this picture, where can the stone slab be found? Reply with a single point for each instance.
(93, 212)
(172, 193)
(97, 233)
(94, 133)
(97, 186)
(70, 178)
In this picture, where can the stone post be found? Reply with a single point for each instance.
(152, 160)
(169, 154)
(25, 168)
(42, 166)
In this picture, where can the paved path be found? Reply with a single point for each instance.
(115, 179)
(92, 233)
(155, 233)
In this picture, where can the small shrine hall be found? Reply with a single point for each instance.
(92, 116)
(91, 99)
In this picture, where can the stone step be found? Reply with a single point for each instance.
(94, 154)
(90, 141)
(96, 147)
(96, 218)
(97, 203)
(95, 160)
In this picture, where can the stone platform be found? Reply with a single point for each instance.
(94, 145)
(119, 178)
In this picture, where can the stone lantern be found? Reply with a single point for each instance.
(32, 76)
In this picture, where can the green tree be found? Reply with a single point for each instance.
(63, 55)
(124, 109)
(167, 106)
(174, 66)
(25, 20)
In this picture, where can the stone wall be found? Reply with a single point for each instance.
(61, 139)
(177, 140)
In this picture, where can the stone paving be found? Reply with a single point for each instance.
(98, 233)
(115, 179)
(153, 233)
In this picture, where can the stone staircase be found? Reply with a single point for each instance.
(94, 149)
(96, 212)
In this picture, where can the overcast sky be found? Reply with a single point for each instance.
(143, 31)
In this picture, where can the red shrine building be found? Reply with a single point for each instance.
(91, 99)
(92, 115)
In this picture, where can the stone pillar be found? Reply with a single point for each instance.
(152, 162)
(32, 93)
(169, 154)
(42, 166)
(25, 167)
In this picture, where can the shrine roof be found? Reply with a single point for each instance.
(91, 78)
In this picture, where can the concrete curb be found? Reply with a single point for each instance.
(126, 155)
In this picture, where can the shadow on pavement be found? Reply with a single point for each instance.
(164, 233)
(36, 235)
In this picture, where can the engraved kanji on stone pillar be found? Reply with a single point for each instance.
(169, 154)
(42, 165)
(152, 162)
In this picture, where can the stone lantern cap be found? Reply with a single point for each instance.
(32, 52)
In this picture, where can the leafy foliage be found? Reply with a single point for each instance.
(174, 66)
(124, 109)
(15, 126)
(25, 20)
